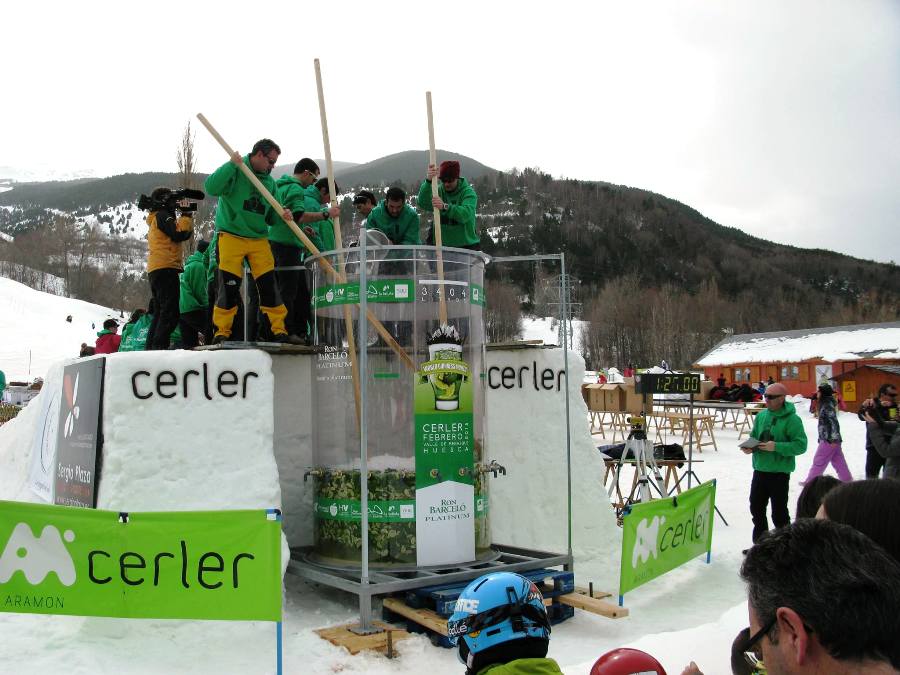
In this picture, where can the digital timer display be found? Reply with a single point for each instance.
(667, 383)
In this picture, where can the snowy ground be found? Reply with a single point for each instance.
(691, 613)
(35, 332)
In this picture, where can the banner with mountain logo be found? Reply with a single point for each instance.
(179, 565)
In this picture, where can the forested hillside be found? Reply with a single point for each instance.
(655, 278)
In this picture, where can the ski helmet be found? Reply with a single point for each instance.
(626, 661)
(494, 609)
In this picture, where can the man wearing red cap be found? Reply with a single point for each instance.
(781, 438)
(457, 201)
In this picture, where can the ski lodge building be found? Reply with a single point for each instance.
(857, 359)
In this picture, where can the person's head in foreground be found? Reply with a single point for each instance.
(500, 618)
(627, 661)
(871, 506)
(822, 598)
(813, 493)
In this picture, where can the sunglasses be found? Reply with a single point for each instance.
(447, 180)
(752, 653)
(770, 397)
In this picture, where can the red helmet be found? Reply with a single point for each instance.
(625, 661)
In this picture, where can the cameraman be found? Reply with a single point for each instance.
(168, 230)
(883, 409)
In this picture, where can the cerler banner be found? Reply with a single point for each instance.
(180, 565)
(444, 438)
(660, 535)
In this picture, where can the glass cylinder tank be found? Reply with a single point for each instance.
(424, 404)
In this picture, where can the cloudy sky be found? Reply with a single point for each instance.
(781, 118)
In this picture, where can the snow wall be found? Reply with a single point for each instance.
(188, 445)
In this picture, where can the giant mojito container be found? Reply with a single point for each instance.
(428, 498)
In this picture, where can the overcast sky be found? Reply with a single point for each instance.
(780, 118)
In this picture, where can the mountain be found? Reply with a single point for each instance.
(407, 168)
(634, 257)
(282, 169)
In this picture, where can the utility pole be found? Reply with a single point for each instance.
(565, 296)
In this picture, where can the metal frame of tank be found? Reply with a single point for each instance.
(366, 584)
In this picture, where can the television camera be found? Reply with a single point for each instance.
(167, 199)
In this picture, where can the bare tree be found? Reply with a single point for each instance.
(187, 160)
(504, 321)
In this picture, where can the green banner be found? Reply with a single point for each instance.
(181, 565)
(662, 534)
(444, 437)
(390, 290)
(383, 511)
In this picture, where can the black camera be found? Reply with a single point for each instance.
(164, 198)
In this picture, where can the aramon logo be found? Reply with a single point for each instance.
(36, 557)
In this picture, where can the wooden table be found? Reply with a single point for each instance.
(747, 422)
(615, 420)
(703, 428)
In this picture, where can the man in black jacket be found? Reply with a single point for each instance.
(884, 408)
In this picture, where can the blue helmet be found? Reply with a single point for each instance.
(495, 609)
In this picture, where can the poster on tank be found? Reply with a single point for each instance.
(79, 438)
(43, 447)
(180, 565)
(444, 440)
(662, 534)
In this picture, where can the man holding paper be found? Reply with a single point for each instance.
(776, 439)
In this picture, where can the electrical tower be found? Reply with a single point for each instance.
(565, 305)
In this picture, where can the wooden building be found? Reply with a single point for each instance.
(865, 381)
(801, 359)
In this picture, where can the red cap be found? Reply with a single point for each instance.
(449, 170)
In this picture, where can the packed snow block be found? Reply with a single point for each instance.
(525, 432)
(293, 443)
(187, 430)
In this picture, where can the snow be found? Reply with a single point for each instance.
(547, 329)
(35, 331)
(877, 341)
(217, 455)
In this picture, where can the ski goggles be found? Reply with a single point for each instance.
(476, 623)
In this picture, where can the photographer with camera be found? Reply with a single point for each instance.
(875, 413)
(171, 224)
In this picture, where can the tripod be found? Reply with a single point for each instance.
(641, 449)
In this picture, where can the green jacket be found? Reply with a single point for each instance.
(2, 382)
(523, 667)
(134, 335)
(193, 282)
(458, 219)
(402, 230)
(241, 209)
(784, 427)
(293, 196)
(325, 228)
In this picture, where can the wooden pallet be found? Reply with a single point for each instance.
(343, 636)
(561, 599)
(593, 605)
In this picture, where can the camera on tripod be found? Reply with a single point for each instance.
(638, 427)
(163, 198)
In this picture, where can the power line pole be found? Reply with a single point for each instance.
(565, 294)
